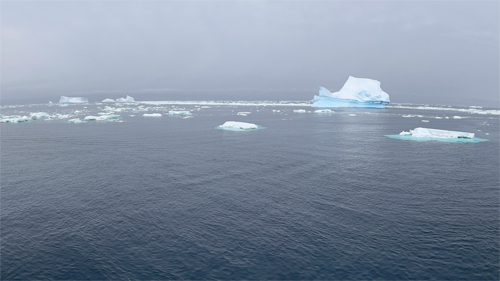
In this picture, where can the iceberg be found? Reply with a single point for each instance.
(238, 126)
(39, 115)
(179, 112)
(15, 119)
(127, 99)
(152, 115)
(102, 118)
(426, 134)
(356, 92)
(435, 133)
(108, 100)
(65, 99)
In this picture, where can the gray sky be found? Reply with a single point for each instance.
(435, 52)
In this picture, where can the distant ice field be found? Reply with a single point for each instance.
(139, 193)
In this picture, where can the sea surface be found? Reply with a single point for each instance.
(313, 196)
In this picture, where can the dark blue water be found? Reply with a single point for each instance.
(310, 197)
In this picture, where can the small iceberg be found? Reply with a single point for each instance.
(152, 115)
(299, 110)
(183, 113)
(39, 115)
(15, 119)
(102, 118)
(323, 111)
(426, 134)
(65, 100)
(108, 100)
(243, 113)
(127, 99)
(356, 92)
(75, 121)
(239, 126)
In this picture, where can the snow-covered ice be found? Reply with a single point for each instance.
(108, 100)
(179, 112)
(435, 133)
(65, 99)
(152, 115)
(299, 111)
(102, 118)
(39, 115)
(239, 126)
(127, 99)
(323, 111)
(356, 92)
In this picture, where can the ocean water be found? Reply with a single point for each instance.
(311, 196)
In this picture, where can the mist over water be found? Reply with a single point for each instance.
(312, 196)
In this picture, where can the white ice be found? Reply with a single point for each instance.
(108, 100)
(65, 99)
(239, 125)
(179, 112)
(127, 99)
(152, 115)
(39, 115)
(101, 118)
(435, 133)
(356, 92)
(323, 111)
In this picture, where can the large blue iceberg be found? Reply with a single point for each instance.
(356, 92)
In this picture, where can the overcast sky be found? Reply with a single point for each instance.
(435, 52)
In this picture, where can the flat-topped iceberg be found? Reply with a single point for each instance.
(435, 133)
(152, 115)
(239, 126)
(65, 99)
(108, 100)
(356, 92)
(179, 112)
(426, 134)
(127, 99)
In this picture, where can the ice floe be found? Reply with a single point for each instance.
(152, 115)
(427, 134)
(127, 99)
(239, 126)
(108, 100)
(65, 99)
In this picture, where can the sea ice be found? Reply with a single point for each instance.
(238, 125)
(108, 100)
(152, 115)
(102, 118)
(65, 99)
(435, 133)
(179, 112)
(299, 111)
(127, 99)
(75, 121)
(356, 92)
(323, 111)
(39, 115)
(15, 119)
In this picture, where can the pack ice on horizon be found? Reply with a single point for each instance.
(356, 92)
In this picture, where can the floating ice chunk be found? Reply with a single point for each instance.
(435, 133)
(39, 115)
(475, 106)
(102, 118)
(243, 113)
(323, 111)
(352, 114)
(152, 115)
(179, 112)
(75, 120)
(356, 92)
(299, 111)
(233, 125)
(459, 117)
(127, 99)
(425, 121)
(108, 100)
(65, 99)
(15, 119)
